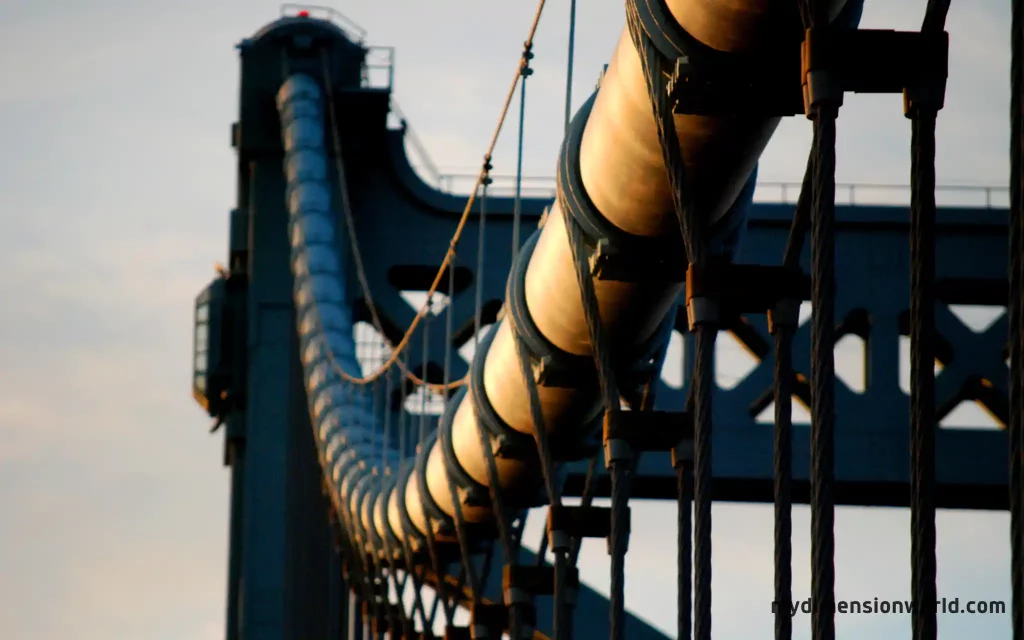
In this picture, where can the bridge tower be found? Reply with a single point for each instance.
(288, 576)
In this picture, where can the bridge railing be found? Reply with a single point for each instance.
(379, 68)
(503, 185)
(852, 194)
(351, 28)
(888, 194)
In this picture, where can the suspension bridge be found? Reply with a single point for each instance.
(404, 373)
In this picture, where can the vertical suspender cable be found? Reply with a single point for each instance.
(569, 64)
(525, 71)
(783, 482)
(619, 465)
(559, 543)
(424, 390)
(543, 548)
(386, 443)
(823, 108)
(360, 564)
(481, 252)
(440, 595)
(684, 530)
(379, 581)
(403, 395)
(684, 552)
(410, 566)
(921, 104)
(1016, 316)
(396, 355)
(703, 384)
(486, 446)
(561, 626)
(823, 378)
(705, 329)
(385, 470)
(460, 523)
(783, 323)
(517, 203)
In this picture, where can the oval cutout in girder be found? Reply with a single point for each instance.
(419, 277)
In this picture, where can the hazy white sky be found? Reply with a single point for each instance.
(115, 179)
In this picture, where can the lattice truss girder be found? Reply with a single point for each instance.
(870, 303)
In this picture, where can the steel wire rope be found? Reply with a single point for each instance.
(369, 599)
(448, 263)
(586, 500)
(497, 502)
(486, 447)
(371, 546)
(823, 111)
(461, 534)
(922, 105)
(620, 463)
(410, 566)
(525, 71)
(559, 626)
(559, 544)
(705, 330)
(542, 550)
(564, 595)
(386, 440)
(389, 553)
(364, 565)
(357, 259)
(619, 460)
(440, 589)
(570, 64)
(1015, 310)
(610, 398)
(449, 255)
(784, 320)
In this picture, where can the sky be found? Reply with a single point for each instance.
(116, 176)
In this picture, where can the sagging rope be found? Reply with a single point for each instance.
(446, 263)
(922, 203)
(506, 536)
